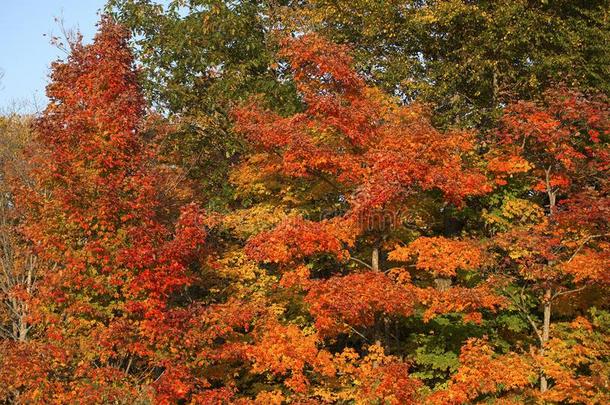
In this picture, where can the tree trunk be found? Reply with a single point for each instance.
(375, 259)
(442, 283)
(546, 326)
(375, 267)
(548, 293)
(382, 332)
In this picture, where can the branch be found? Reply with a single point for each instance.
(356, 332)
(549, 190)
(6, 334)
(583, 243)
(129, 364)
(535, 327)
(361, 262)
(568, 292)
(525, 313)
(160, 375)
(325, 179)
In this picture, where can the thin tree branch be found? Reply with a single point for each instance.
(361, 262)
(524, 312)
(575, 290)
(356, 332)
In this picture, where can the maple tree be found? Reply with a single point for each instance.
(373, 157)
(482, 371)
(111, 262)
(563, 143)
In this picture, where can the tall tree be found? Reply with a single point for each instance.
(556, 152)
(113, 260)
(353, 174)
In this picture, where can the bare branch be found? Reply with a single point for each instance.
(575, 290)
(361, 262)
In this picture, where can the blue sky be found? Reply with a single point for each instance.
(25, 51)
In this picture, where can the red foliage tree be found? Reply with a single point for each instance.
(557, 150)
(375, 157)
(113, 261)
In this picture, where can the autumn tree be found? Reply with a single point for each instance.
(114, 262)
(552, 224)
(18, 263)
(355, 173)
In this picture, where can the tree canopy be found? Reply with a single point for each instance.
(313, 202)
